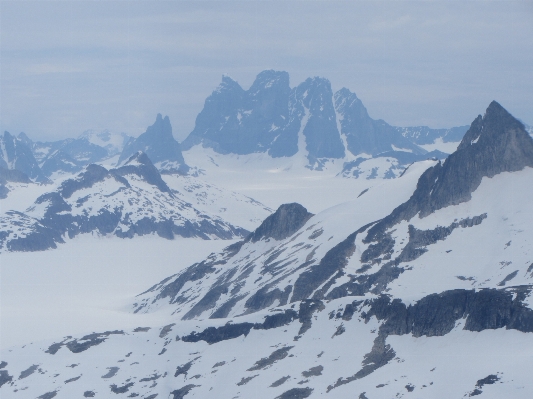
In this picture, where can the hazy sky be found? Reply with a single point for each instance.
(73, 65)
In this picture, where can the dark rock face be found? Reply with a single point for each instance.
(88, 341)
(279, 382)
(184, 369)
(277, 355)
(494, 144)
(313, 371)
(269, 116)
(123, 389)
(17, 155)
(182, 392)
(212, 335)
(277, 320)
(29, 371)
(419, 239)
(160, 146)
(436, 314)
(48, 395)
(283, 223)
(5, 377)
(242, 122)
(13, 175)
(379, 356)
(193, 273)
(364, 134)
(321, 135)
(296, 393)
(305, 314)
(92, 175)
(488, 380)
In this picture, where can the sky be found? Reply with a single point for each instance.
(69, 66)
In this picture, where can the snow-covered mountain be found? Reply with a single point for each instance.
(111, 141)
(15, 154)
(159, 144)
(309, 119)
(72, 155)
(65, 156)
(418, 287)
(127, 201)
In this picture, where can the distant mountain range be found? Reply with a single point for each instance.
(270, 117)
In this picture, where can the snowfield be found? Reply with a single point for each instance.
(86, 283)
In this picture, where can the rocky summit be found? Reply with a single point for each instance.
(271, 117)
(160, 146)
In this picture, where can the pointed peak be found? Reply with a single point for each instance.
(139, 158)
(345, 92)
(159, 120)
(489, 128)
(283, 223)
(226, 79)
(22, 136)
(495, 106)
(141, 165)
(318, 81)
(271, 75)
(228, 84)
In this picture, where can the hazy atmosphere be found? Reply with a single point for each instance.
(70, 66)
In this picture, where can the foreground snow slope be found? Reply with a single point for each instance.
(282, 362)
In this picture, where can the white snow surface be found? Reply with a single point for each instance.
(236, 208)
(440, 145)
(276, 181)
(113, 142)
(84, 284)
